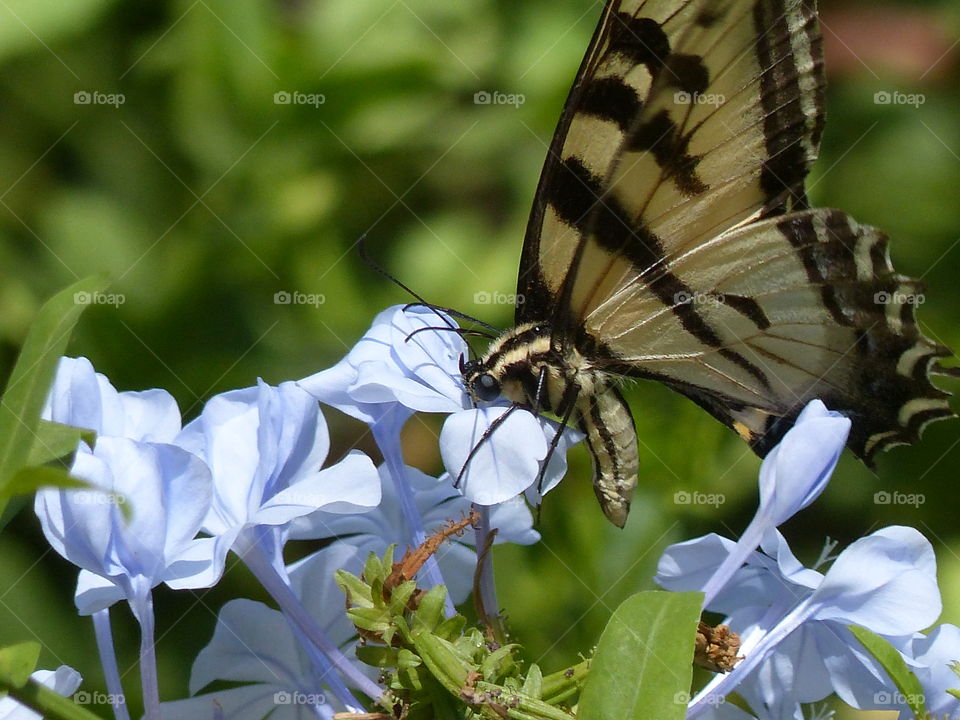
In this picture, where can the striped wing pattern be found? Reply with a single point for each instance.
(671, 237)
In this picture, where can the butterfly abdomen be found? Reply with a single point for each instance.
(524, 367)
(604, 417)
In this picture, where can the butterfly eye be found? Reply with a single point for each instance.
(486, 387)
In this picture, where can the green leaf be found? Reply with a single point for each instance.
(401, 596)
(29, 480)
(431, 609)
(644, 661)
(357, 591)
(55, 441)
(13, 508)
(451, 628)
(378, 656)
(32, 375)
(533, 683)
(892, 661)
(17, 662)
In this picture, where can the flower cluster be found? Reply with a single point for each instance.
(167, 504)
(794, 621)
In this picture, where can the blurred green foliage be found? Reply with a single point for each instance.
(203, 197)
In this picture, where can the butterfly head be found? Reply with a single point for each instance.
(510, 367)
(479, 381)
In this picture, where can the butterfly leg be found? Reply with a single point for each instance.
(483, 438)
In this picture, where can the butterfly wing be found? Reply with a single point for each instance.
(801, 306)
(644, 130)
(671, 238)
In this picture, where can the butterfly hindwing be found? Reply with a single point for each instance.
(804, 306)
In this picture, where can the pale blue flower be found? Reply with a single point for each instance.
(931, 658)
(409, 361)
(792, 476)
(166, 492)
(63, 681)
(265, 447)
(793, 621)
(507, 461)
(390, 369)
(399, 367)
(84, 398)
(256, 645)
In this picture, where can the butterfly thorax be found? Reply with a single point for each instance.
(524, 366)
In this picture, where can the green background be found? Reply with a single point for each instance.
(203, 198)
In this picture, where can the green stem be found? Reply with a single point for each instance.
(518, 706)
(563, 685)
(48, 703)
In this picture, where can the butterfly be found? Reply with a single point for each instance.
(671, 239)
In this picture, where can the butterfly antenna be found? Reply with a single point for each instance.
(457, 330)
(370, 262)
(463, 316)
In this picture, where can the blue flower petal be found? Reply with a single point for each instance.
(506, 462)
